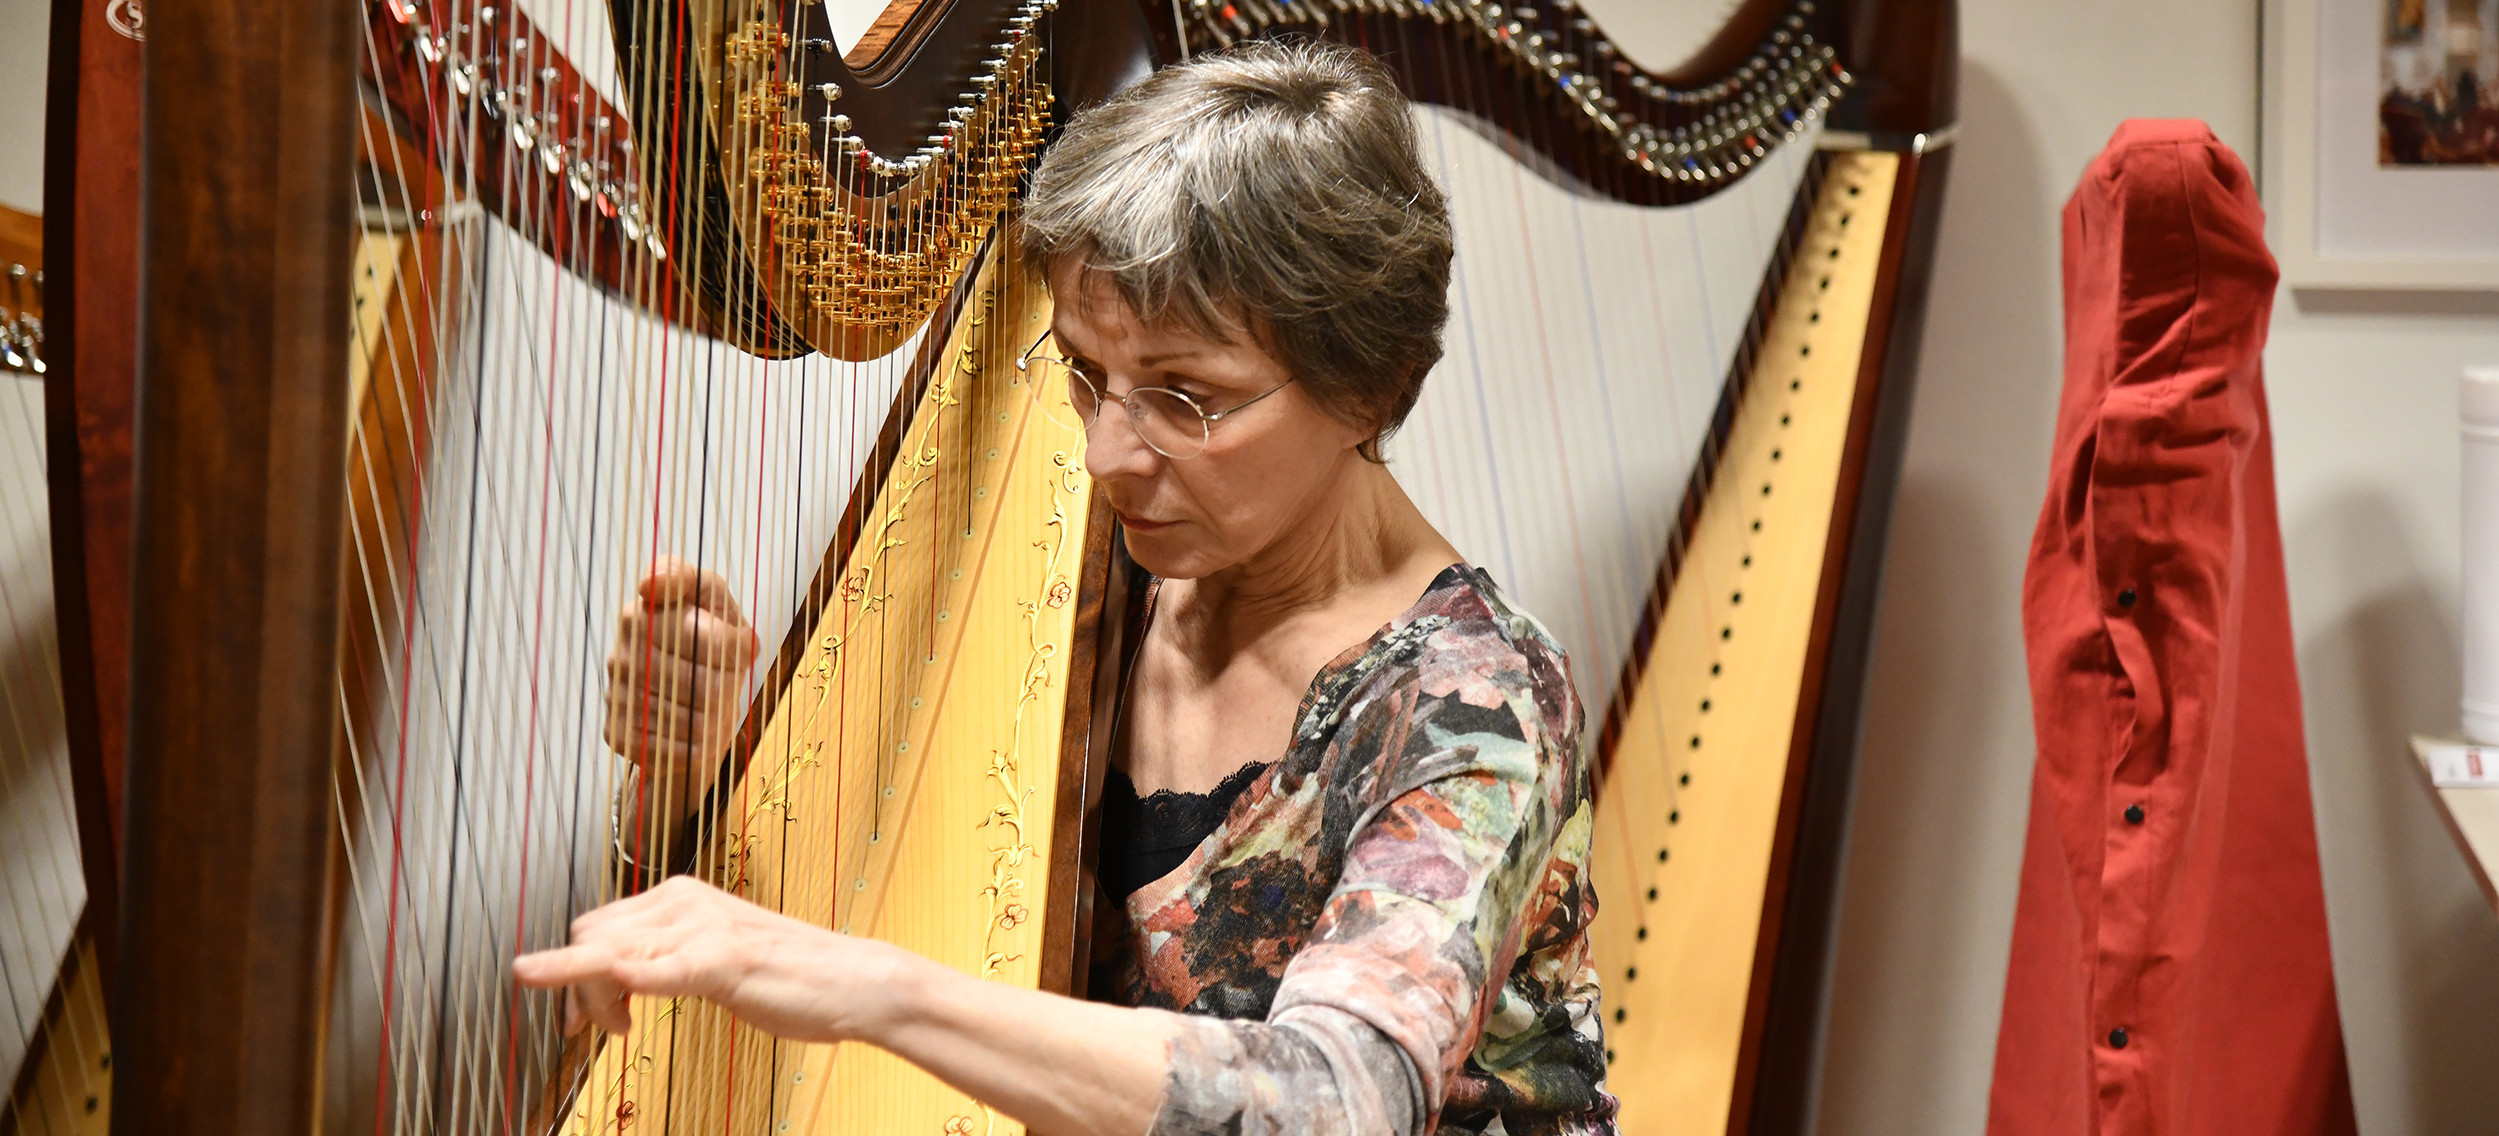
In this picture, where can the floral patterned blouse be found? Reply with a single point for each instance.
(1388, 931)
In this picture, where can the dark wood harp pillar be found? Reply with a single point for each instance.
(91, 187)
(246, 238)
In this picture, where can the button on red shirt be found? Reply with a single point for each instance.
(2170, 971)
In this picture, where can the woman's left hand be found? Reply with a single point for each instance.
(786, 977)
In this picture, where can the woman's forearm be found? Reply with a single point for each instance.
(1063, 1067)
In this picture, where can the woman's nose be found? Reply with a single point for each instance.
(1114, 449)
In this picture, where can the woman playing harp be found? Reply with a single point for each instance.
(1349, 816)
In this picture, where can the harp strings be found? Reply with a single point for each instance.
(1580, 386)
(544, 440)
(438, 1067)
(404, 1084)
(46, 969)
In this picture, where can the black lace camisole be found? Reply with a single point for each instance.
(1145, 840)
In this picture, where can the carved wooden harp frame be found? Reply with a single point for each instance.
(234, 564)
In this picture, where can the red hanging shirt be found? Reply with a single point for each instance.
(2170, 973)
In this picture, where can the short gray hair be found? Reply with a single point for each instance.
(1273, 188)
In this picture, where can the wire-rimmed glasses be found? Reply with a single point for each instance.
(1170, 422)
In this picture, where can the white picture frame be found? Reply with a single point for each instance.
(2338, 220)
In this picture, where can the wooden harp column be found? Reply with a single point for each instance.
(250, 108)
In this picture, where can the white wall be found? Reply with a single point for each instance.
(2364, 412)
(23, 45)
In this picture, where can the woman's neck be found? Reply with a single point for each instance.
(1354, 546)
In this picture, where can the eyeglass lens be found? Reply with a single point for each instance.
(1172, 425)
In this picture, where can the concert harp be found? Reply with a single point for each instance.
(456, 315)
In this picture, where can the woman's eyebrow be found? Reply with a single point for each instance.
(1161, 358)
(1075, 354)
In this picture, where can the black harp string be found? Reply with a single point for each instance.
(577, 225)
(650, 842)
(457, 1060)
(31, 702)
(742, 302)
(510, 377)
(749, 302)
(439, 1089)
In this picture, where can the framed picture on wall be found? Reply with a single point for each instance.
(2382, 142)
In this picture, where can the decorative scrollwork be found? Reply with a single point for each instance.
(860, 246)
(128, 18)
(1003, 895)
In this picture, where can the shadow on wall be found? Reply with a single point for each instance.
(2416, 947)
(1943, 784)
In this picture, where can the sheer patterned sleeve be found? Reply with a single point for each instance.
(1460, 792)
(1315, 1070)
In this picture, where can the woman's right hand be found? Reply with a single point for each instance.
(674, 684)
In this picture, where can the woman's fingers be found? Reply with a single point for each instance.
(673, 581)
(643, 637)
(688, 938)
(647, 743)
(653, 716)
(703, 636)
(675, 676)
(592, 991)
(563, 966)
(693, 710)
(672, 757)
(667, 736)
(686, 682)
(694, 614)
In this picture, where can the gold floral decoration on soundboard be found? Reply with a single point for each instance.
(637, 1066)
(1005, 892)
(859, 590)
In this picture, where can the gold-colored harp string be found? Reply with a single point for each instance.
(57, 1028)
